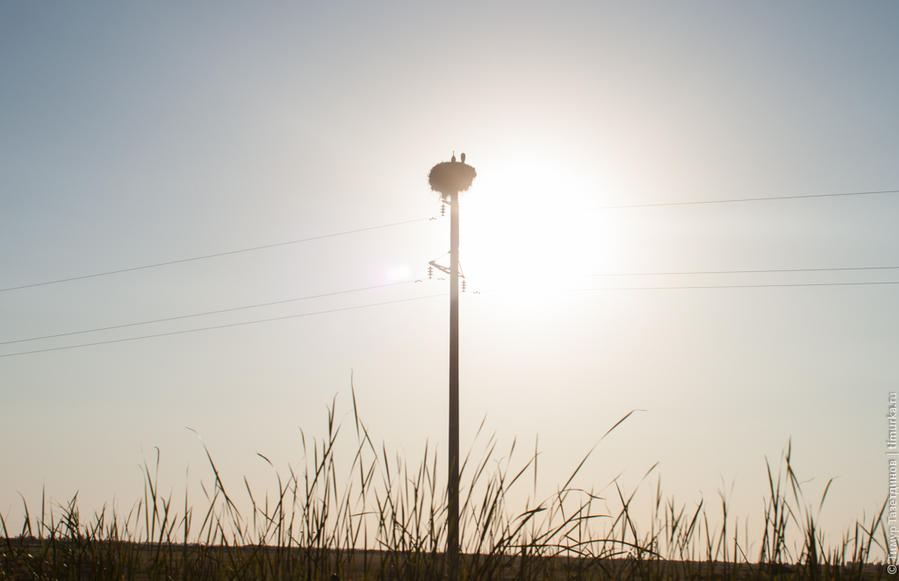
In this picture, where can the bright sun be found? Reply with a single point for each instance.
(526, 230)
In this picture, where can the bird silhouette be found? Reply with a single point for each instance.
(463, 158)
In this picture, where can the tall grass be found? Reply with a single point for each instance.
(384, 518)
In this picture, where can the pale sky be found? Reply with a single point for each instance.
(133, 134)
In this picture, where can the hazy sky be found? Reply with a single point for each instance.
(139, 133)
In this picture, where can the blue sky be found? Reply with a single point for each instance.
(134, 134)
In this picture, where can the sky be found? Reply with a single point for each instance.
(134, 134)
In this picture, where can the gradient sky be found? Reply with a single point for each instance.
(138, 133)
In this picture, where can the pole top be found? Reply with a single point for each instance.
(451, 177)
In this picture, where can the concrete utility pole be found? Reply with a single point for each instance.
(450, 179)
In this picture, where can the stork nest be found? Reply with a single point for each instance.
(449, 177)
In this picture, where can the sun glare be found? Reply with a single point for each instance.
(397, 273)
(527, 230)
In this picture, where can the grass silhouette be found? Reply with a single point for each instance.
(384, 518)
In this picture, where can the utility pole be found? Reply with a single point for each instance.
(450, 179)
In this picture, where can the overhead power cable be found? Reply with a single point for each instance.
(762, 285)
(747, 271)
(702, 286)
(752, 199)
(387, 285)
(422, 219)
(225, 326)
(213, 255)
(357, 307)
(204, 313)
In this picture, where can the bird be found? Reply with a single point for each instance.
(463, 158)
(453, 158)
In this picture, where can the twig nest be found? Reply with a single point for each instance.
(449, 177)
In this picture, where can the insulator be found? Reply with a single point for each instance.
(443, 209)
(464, 285)
(430, 272)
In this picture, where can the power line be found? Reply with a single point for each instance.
(225, 326)
(397, 301)
(764, 285)
(204, 313)
(213, 255)
(707, 286)
(747, 271)
(753, 199)
(414, 220)
(387, 285)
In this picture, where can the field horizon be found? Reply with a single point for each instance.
(386, 519)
